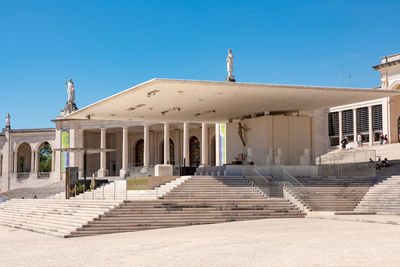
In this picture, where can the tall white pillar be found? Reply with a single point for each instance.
(80, 155)
(340, 127)
(53, 161)
(204, 144)
(103, 171)
(166, 143)
(33, 159)
(370, 130)
(386, 119)
(186, 159)
(217, 145)
(124, 170)
(16, 161)
(37, 160)
(355, 125)
(146, 145)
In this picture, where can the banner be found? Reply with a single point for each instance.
(64, 155)
(222, 143)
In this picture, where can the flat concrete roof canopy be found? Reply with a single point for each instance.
(165, 100)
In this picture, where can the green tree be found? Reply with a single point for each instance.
(45, 154)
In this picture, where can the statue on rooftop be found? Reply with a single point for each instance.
(70, 106)
(229, 67)
(8, 121)
(70, 90)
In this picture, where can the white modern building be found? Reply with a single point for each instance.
(371, 118)
(207, 124)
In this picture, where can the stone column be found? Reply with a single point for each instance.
(386, 120)
(340, 127)
(124, 170)
(103, 170)
(33, 159)
(53, 160)
(166, 143)
(16, 161)
(355, 125)
(186, 159)
(146, 146)
(217, 145)
(80, 155)
(370, 129)
(37, 160)
(57, 164)
(204, 144)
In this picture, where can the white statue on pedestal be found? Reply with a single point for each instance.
(8, 120)
(70, 106)
(229, 67)
(70, 90)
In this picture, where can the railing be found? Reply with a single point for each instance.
(23, 175)
(268, 187)
(43, 175)
(292, 186)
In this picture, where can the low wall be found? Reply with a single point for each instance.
(148, 182)
(31, 182)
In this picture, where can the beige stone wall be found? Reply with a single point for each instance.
(394, 115)
(292, 134)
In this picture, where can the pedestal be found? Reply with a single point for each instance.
(163, 170)
(123, 172)
(102, 173)
(230, 79)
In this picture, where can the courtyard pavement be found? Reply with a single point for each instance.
(271, 242)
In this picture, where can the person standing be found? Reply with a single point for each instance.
(385, 139)
(359, 139)
(344, 142)
(381, 139)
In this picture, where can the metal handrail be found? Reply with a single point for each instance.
(264, 185)
(294, 186)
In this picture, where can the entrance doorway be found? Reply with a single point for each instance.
(194, 151)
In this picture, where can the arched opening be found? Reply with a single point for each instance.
(194, 151)
(24, 158)
(398, 129)
(171, 152)
(45, 157)
(139, 153)
(212, 151)
(395, 86)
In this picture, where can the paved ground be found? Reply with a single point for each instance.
(385, 219)
(273, 242)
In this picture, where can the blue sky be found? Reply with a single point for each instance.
(108, 46)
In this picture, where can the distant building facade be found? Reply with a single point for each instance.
(370, 118)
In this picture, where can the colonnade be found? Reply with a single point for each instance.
(102, 171)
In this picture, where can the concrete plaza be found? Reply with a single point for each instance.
(272, 242)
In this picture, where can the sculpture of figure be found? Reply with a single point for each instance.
(242, 131)
(229, 63)
(70, 90)
(8, 120)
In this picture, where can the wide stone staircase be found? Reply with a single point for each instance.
(117, 190)
(198, 200)
(383, 197)
(334, 193)
(52, 216)
(39, 192)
